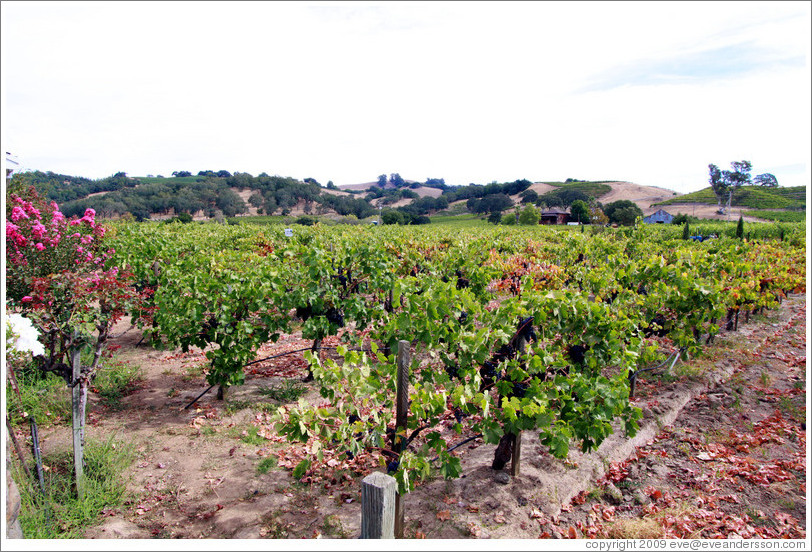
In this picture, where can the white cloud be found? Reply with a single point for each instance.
(471, 92)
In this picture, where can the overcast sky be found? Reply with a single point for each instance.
(649, 92)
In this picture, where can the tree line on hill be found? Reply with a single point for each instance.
(210, 193)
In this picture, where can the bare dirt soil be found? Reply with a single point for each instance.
(733, 462)
(720, 453)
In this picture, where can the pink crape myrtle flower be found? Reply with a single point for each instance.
(17, 213)
(38, 229)
(19, 239)
(39, 246)
(31, 210)
(89, 217)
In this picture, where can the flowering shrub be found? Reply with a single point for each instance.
(57, 272)
(42, 242)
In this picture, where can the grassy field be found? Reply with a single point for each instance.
(262, 219)
(459, 221)
(592, 189)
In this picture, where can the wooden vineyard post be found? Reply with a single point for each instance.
(402, 404)
(517, 454)
(78, 421)
(378, 495)
(515, 462)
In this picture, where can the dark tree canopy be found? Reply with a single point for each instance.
(767, 180)
(622, 212)
(489, 204)
(724, 182)
(563, 196)
(740, 175)
(579, 211)
(391, 216)
(529, 196)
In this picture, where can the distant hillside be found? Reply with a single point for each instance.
(222, 194)
(562, 194)
(753, 197)
(202, 196)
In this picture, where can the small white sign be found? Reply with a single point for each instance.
(288, 232)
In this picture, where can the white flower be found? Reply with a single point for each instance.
(26, 334)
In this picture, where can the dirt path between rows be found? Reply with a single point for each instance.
(720, 453)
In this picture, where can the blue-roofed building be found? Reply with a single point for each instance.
(659, 217)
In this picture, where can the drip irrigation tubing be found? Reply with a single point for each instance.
(458, 445)
(633, 375)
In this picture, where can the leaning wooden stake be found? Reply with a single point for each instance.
(18, 448)
(378, 492)
(402, 414)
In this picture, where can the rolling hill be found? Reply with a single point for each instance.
(241, 194)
